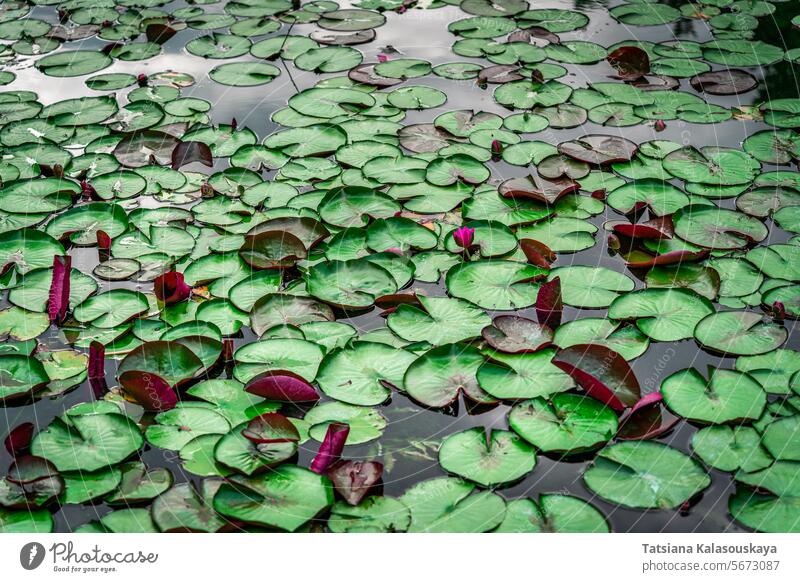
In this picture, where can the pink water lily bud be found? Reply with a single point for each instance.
(402, 10)
(141, 79)
(382, 58)
(660, 125)
(599, 194)
(234, 124)
(464, 236)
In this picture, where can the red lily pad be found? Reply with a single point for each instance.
(151, 392)
(537, 253)
(655, 229)
(282, 386)
(602, 373)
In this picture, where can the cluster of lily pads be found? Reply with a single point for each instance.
(213, 313)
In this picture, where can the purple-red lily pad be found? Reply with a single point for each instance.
(282, 386)
(151, 392)
(602, 373)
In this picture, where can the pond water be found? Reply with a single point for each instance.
(408, 447)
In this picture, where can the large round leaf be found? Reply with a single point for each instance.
(645, 475)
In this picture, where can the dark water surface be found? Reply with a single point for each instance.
(408, 447)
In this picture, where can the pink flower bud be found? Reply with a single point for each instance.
(464, 236)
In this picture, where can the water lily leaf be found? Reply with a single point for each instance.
(777, 261)
(298, 356)
(662, 314)
(438, 320)
(645, 475)
(602, 373)
(139, 484)
(365, 423)
(725, 397)
(514, 335)
(626, 340)
(73, 63)
(495, 284)
(503, 457)
(184, 508)
(169, 360)
(711, 165)
(780, 437)
(285, 498)
(566, 423)
(354, 284)
(438, 376)
(87, 441)
(520, 376)
(553, 513)
(778, 508)
(731, 448)
(277, 309)
(773, 370)
(240, 453)
(363, 373)
(174, 428)
(590, 287)
(447, 504)
(739, 333)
